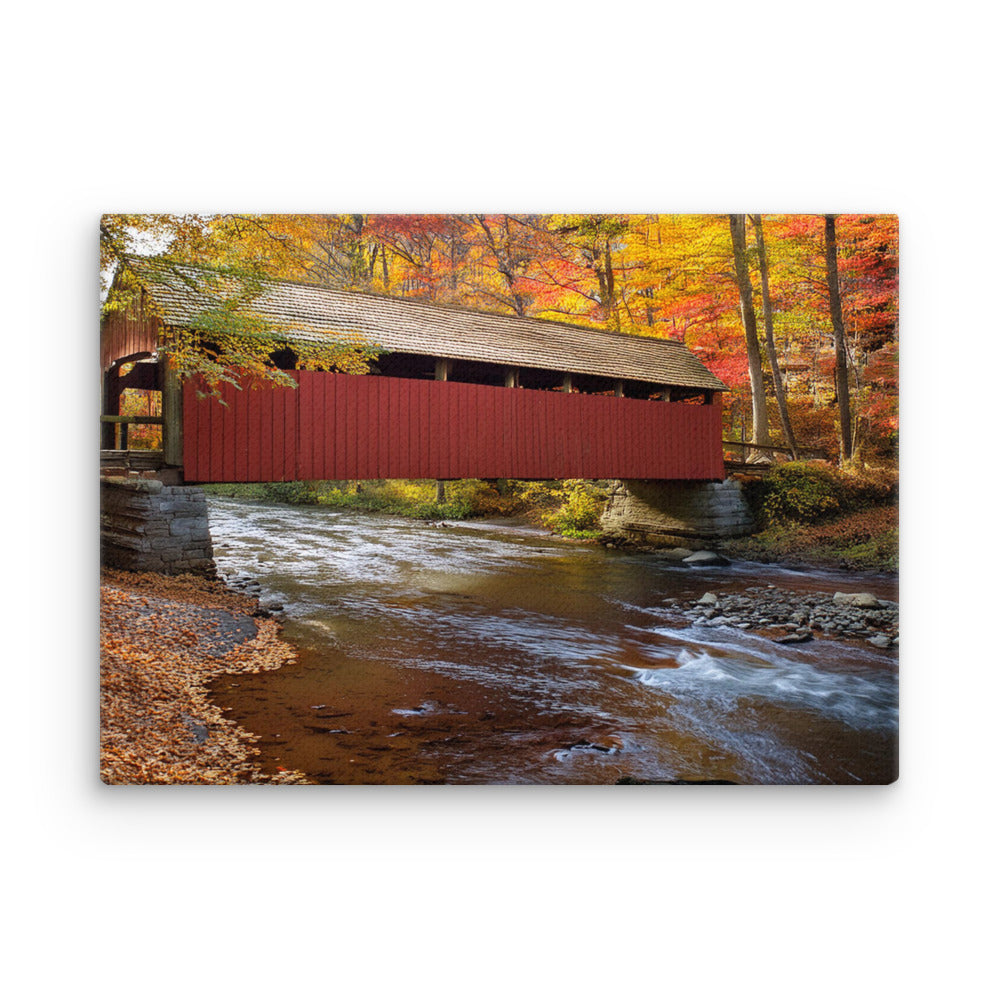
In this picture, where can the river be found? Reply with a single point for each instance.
(494, 653)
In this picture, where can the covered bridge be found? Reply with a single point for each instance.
(454, 394)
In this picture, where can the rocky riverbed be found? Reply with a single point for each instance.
(791, 617)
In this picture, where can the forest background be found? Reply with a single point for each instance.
(797, 314)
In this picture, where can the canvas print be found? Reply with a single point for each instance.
(499, 499)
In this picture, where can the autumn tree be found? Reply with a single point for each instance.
(121, 235)
(592, 241)
(737, 228)
(772, 353)
(868, 275)
(231, 340)
(842, 386)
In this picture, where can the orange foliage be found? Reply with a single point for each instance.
(660, 275)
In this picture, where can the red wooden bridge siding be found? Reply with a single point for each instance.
(124, 336)
(374, 427)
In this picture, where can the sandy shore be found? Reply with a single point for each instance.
(163, 639)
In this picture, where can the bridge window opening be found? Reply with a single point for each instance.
(477, 373)
(285, 359)
(426, 367)
(142, 403)
(595, 385)
(542, 378)
(693, 397)
(668, 394)
(638, 390)
(404, 365)
(132, 389)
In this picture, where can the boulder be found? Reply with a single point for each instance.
(705, 558)
(880, 640)
(857, 600)
(708, 598)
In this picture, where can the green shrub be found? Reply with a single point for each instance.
(407, 498)
(572, 507)
(579, 514)
(798, 493)
(482, 499)
(239, 491)
(870, 488)
(296, 493)
(536, 494)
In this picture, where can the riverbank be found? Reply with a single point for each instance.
(570, 508)
(865, 541)
(163, 639)
(810, 516)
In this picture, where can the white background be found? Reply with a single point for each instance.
(438, 107)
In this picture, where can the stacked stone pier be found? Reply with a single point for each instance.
(147, 526)
(656, 512)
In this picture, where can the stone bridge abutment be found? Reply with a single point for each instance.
(658, 512)
(147, 526)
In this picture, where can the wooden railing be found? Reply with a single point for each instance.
(745, 447)
(122, 424)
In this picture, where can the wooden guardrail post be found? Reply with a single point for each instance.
(120, 426)
(442, 369)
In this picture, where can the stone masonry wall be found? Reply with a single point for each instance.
(649, 512)
(149, 527)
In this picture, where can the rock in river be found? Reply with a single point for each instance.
(705, 558)
(677, 553)
(857, 600)
(799, 616)
(794, 637)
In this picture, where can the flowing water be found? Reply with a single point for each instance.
(493, 653)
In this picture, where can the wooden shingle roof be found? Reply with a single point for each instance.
(312, 313)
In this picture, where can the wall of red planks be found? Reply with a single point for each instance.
(123, 336)
(374, 427)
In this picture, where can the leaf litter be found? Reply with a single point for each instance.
(163, 640)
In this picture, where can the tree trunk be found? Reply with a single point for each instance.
(772, 353)
(737, 230)
(504, 262)
(609, 272)
(841, 384)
